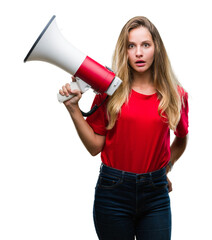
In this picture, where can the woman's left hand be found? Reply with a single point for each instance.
(169, 185)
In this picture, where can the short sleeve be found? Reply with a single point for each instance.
(98, 120)
(182, 127)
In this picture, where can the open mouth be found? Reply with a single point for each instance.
(140, 61)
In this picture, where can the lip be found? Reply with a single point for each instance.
(140, 63)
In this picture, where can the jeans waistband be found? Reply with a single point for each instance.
(129, 175)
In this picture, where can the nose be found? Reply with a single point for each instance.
(139, 52)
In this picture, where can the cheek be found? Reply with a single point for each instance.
(151, 55)
(129, 56)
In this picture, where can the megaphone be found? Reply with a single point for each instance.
(53, 48)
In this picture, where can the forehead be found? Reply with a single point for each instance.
(139, 34)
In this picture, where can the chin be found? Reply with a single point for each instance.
(141, 70)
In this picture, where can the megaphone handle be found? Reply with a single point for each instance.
(61, 98)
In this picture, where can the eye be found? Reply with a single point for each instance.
(130, 45)
(146, 45)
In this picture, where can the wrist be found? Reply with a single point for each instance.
(169, 167)
(73, 109)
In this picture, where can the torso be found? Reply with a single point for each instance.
(139, 142)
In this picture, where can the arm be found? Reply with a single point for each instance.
(177, 149)
(179, 144)
(92, 141)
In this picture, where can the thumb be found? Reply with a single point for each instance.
(73, 79)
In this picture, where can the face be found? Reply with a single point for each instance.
(140, 49)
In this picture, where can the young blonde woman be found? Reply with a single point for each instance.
(132, 132)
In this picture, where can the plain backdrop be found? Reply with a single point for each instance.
(47, 178)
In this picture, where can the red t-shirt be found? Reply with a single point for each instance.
(140, 140)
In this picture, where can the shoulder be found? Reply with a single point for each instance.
(182, 92)
(183, 99)
(183, 95)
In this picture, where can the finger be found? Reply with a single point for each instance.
(170, 187)
(68, 87)
(65, 91)
(61, 92)
(76, 92)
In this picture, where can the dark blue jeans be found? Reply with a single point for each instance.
(129, 205)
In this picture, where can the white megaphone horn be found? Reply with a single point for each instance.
(53, 48)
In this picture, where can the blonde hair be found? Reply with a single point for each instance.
(164, 79)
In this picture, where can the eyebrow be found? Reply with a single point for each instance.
(141, 42)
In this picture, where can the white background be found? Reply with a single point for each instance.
(47, 178)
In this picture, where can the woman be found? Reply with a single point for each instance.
(132, 132)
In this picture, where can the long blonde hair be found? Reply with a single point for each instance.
(164, 79)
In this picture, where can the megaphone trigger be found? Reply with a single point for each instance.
(82, 85)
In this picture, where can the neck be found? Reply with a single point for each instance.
(143, 82)
(142, 79)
